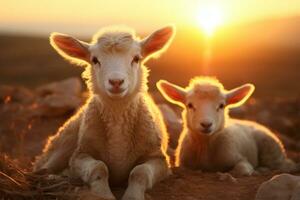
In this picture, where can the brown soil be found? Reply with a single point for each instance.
(23, 134)
(192, 185)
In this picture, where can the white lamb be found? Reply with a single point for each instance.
(212, 141)
(119, 134)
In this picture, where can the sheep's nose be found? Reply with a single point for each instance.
(116, 83)
(206, 125)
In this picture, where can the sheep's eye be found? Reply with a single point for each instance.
(221, 106)
(95, 61)
(135, 59)
(190, 106)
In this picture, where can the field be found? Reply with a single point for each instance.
(28, 62)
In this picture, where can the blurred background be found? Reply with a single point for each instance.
(236, 41)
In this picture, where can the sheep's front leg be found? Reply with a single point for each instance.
(242, 168)
(94, 172)
(143, 177)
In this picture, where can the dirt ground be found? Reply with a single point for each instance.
(195, 185)
(24, 129)
(192, 185)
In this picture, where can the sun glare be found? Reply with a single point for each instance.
(209, 18)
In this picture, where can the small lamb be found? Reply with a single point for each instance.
(119, 134)
(212, 141)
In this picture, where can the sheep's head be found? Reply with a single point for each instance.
(205, 101)
(114, 58)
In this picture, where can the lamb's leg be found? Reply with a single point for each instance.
(59, 148)
(242, 168)
(144, 176)
(273, 155)
(94, 172)
(262, 171)
(56, 158)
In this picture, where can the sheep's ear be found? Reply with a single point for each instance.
(171, 92)
(157, 41)
(238, 96)
(70, 48)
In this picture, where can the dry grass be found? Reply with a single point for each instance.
(18, 183)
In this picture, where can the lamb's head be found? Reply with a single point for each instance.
(206, 102)
(114, 59)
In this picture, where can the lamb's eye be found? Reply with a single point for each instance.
(95, 61)
(135, 59)
(221, 106)
(190, 106)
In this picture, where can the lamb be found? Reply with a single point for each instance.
(119, 134)
(212, 141)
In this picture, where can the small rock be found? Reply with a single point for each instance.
(280, 187)
(70, 86)
(226, 177)
(59, 98)
(56, 105)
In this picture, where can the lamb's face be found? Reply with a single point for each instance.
(117, 73)
(205, 102)
(115, 57)
(205, 111)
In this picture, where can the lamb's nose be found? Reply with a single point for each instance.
(206, 125)
(116, 82)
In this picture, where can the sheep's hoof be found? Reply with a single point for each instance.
(101, 190)
(133, 196)
(262, 171)
(226, 177)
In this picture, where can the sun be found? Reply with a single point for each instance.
(209, 18)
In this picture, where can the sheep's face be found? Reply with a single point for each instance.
(205, 102)
(205, 111)
(115, 56)
(117, 73)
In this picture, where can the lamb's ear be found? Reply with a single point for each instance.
(238, 96)
(70, 48)
(157, 41)
(171, 92)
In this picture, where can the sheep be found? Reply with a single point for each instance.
(119, 134)
(212, 141)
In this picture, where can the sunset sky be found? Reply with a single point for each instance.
(84, 17)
